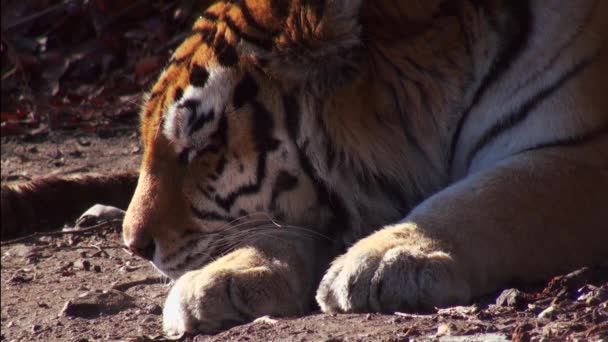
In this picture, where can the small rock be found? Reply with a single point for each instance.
(511, 297)
(10, 324)
(148, 320)
(444, 329)
(22, 251)
(153, 309)
(94, 303)
(547, 313)
(76, 154)
(19, 278)
(97, 269)
(36, 328)
(82, 264)
(265, 320)
(593, 295)
(83, 142)
(98, 213)
(127, 268)
(135, 149)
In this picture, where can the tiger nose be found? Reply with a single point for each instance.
(144, 249)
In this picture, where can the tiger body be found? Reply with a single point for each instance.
(372, 155)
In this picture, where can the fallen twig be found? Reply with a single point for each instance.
(96, 227)
(407, 315)
(152, 280)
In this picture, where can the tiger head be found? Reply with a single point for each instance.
(225, 156)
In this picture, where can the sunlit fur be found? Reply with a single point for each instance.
(435, 150)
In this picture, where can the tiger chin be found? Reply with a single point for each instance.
(372, 156)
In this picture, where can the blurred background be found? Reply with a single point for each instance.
(82, 65)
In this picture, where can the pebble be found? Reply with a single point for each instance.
(82, 264)
(153, 309)
(444, 330)
(511, 297)
(103, 212)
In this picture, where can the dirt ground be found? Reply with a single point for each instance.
(52, 285)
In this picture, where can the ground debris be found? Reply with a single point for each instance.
(95, 303)
(513, 298)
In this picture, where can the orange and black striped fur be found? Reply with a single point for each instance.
(442, 147)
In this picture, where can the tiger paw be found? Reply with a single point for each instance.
(386, 272)
(220, 296)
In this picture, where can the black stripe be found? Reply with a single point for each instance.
(341, 216)
(204, 192)
(218, 139)
(179, 92)
(514, 37)
(317, 6)
(249, 19)
(571, 141)
(227, 202)
(425, 99)
(264, 43)
(280, 8)
(191, 105)
(204, 33)
(283, 183)
(226, 53)
(198, 76)
(330, 152)
(182, 158)
(221, 165)
(340, 221)
(263, 128)
(245, 91)
(205, 215)
(405, 124)
(523, 111)
(208, 35)
(155, 94)
(201, 121)
(210, 16)
(553, 60)
(291, 114)
(186, 247)
(261, 42)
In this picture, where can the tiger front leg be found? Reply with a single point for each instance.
(247, 283)
(531, 217)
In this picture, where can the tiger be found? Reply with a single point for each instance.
(370, 156)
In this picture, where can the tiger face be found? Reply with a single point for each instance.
(221, 168)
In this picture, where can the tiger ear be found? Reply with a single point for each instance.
(319, 43)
